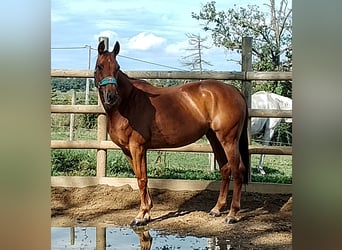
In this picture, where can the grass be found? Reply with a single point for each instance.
(191, 166)
(278, 169)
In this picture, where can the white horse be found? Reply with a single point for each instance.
(266, 100)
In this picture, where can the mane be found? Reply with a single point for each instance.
(130, 78)
(136, 82)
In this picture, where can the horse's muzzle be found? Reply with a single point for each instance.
(109, 95)
(110, 98)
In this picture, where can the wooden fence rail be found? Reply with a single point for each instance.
(223, 75)
(194, 147)
(97, 109)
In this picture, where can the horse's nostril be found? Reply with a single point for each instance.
(108, 96)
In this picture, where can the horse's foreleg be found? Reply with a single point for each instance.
(140, 171)
(260, 166)
(146, 204)
(144, 238)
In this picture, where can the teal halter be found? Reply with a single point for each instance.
(108, 80)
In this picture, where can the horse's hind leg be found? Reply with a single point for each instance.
(234, 167)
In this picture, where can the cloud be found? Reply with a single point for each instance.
(57, 17)
(177, 48)
(145, 41)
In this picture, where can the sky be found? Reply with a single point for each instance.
(148, 30)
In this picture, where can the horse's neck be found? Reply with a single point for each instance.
(130, 95)
(126, 86)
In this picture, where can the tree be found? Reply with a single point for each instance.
(271, 32)
(196, 61)
(272, 35)
(66, 84)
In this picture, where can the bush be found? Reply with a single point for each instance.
(272, 176)
(118, 166)
(283, 134)
(73, 162)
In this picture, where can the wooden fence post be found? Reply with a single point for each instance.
(100, 238)
(212, 162)
(247, 66)
(246, 87)
(101, 157)
(101, 153)
(72, 116)
(72, 236)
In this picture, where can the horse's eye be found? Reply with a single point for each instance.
(99, 67)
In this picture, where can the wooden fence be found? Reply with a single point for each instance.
(102, 144)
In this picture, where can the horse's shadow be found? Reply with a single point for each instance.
(170, 215)
(252, 204)
(202, 201)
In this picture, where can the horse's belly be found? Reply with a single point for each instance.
(178, 137)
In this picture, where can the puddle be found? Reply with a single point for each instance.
(126, 238)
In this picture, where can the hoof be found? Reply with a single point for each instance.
(214, 214)
(139, 223)
(230, 220)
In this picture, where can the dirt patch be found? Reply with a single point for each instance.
(261, 225)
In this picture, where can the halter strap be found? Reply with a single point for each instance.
(108, 80)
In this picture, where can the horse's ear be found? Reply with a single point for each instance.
(116, 48)
(101, 47)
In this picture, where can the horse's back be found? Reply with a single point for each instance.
(219, 91)
(262, 100)
(190, 87)
(213, 97)
(209, 95)
(285, 103)
(268, 100)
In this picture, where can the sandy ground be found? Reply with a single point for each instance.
(265, 223)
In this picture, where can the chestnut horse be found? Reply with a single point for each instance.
(141, 116)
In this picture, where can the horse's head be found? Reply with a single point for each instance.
(106, 74)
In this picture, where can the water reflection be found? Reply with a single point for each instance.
(101, 238)
(145, 239)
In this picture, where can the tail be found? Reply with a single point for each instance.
(243, 148)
